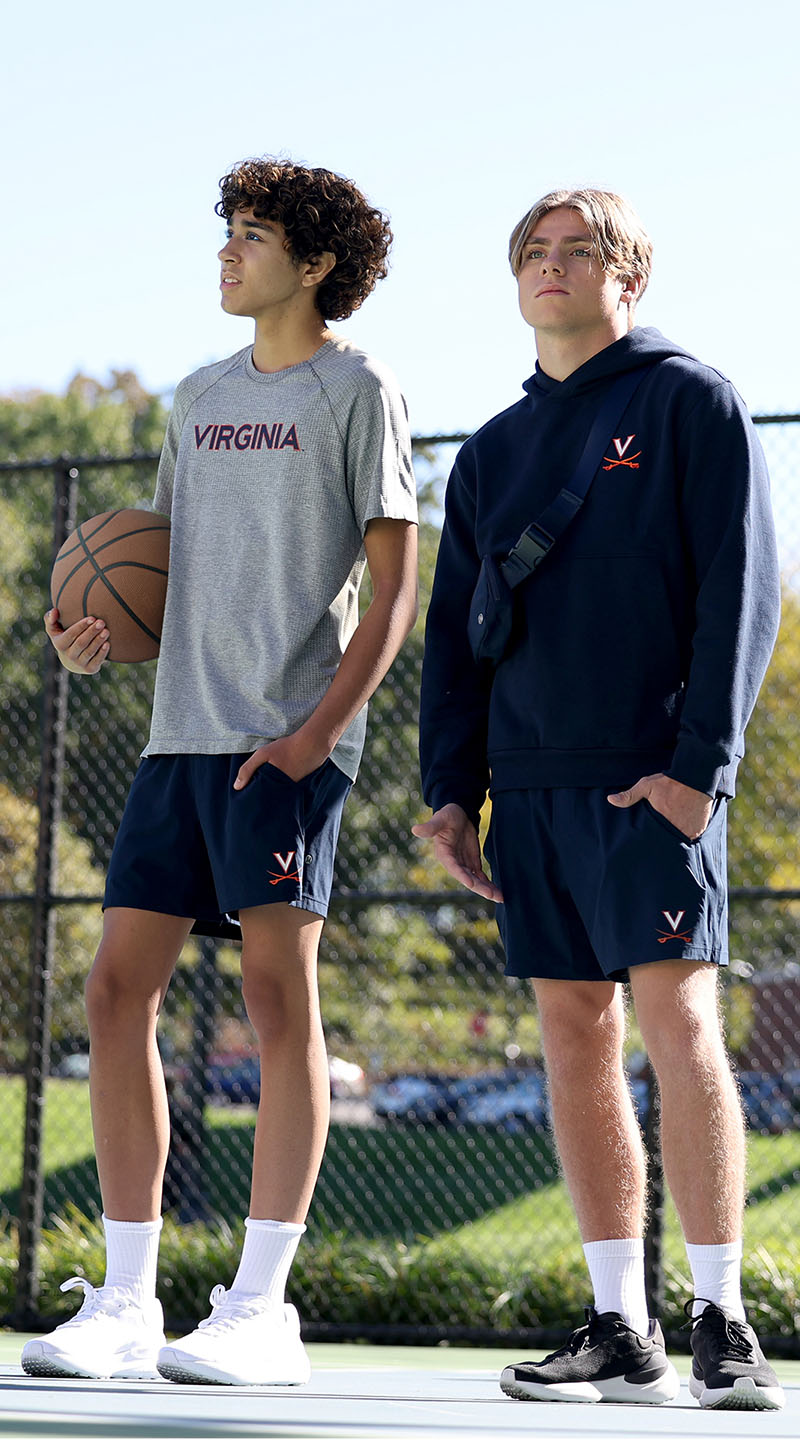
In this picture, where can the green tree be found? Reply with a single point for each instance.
(94, 420)
(765, 817)
(78, 927)
(765, 828)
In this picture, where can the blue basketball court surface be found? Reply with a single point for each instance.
(360, 1393)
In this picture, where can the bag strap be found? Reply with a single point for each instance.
(540, 536)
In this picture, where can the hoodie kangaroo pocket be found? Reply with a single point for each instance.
(599, 666)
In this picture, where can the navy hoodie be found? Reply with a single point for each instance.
(640, 643)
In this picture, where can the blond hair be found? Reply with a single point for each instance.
(620, 241)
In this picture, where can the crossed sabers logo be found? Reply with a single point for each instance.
(632, 461)
(284, 861)
(672, 934)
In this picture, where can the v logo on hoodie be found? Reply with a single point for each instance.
(632, 462)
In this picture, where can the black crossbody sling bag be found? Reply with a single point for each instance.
(492, 607)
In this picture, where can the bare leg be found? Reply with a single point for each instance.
(598, 1137)
(124, 993)
(702, 1130)
(279, 978)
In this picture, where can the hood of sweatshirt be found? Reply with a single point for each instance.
(641, 346)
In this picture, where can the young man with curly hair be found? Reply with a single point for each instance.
(607, 723)
(286, 469)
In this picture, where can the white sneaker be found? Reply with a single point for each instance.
(244, 1341)
(112, 1337)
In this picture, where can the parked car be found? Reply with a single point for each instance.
(767, 1101)
(640, 1090)
(469, 1089)
(416, 1098)
(72, 1067)
(348, 1080)
(436, 1099)
(237, 1079)
(791, 1081)
(519, 1102)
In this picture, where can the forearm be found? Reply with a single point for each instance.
(729, 531)
(455, 691)
(374, 645)
(454, 709)
(391, 548)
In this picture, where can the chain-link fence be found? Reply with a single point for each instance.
(440, 1202)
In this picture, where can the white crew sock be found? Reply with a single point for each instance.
(717, 1275)
(616, 1268)
(132, 1255)
(267, 1254)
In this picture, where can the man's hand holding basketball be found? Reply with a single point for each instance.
(457, 848)
(82, 648)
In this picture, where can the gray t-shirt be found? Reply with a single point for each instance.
(270, 482)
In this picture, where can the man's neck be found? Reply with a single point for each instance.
(561, 354)
(279, 347)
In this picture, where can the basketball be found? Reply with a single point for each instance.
(114, 566)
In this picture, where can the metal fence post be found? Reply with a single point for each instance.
(656, 1195)
(185, 1181)
(54, 714)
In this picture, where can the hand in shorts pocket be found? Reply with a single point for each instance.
(293, 759)
(688, 811)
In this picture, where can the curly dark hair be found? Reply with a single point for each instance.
(319, 210)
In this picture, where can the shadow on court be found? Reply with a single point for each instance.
(360, 1393)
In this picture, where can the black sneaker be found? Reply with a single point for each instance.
(729, 1371)
(604, 1360)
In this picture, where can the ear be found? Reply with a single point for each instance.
(316, 270)
(631, 290)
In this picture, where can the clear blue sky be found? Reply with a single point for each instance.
(453, 116)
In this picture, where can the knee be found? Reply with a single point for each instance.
(581, 1024)
(114, 993)
(277, 1008)
(683, 1034)
(265, 1004)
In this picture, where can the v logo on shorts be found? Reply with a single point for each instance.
(284, 861)
(673, 921)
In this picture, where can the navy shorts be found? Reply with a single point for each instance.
(189, 844)
(590, 891)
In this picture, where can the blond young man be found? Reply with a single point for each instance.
(608, 730)
(286, 470)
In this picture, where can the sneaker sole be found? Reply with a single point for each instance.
(196, 1373)
(49, 1367)
(586, 1392)
(744, 1394)
(47, 1364)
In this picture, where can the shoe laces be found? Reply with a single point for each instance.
(100, 1300)
(228, 1309)
(579, 1339)
(733, 1334)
